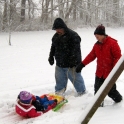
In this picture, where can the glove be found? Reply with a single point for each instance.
(79, 67)
(51, 60)
(55, 100)
(38, 106)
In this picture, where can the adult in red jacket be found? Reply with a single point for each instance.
(107, 52)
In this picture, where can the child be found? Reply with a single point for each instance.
(29, 105)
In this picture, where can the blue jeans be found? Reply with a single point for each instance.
(63, 74)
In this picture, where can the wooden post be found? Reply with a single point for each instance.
(102, 92)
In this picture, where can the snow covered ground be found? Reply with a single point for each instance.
(24, 66)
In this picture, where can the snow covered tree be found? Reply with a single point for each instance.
(28, 15)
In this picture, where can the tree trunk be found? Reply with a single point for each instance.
(44, 16)
(88, 18)
(46, 11)
(31, 9)
(81, 11)
(115, 11)
(74, 13)
(23, 2)
(51, 11)
(5, 20)
(61, 8)
(12, 9)
(70, 9)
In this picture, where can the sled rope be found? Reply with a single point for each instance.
(73, 74)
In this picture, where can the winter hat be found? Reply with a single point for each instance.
(25, 97)
(100, 30)
(58, 24)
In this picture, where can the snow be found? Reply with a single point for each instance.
(24, 66)
(95, 98)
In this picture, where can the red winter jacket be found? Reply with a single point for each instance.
(27, 110)
(107, 54)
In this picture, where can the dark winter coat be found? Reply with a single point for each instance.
(107, 54)
(65, 48)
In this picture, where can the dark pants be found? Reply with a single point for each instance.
(113, 93)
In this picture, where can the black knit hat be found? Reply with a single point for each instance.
(58, 24)
(100, 30)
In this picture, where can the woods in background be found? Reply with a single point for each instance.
(30, 15)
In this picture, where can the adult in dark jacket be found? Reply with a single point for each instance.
(66, 50)
(107, 52)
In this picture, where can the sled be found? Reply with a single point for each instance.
(60, 101)
(59, 105)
